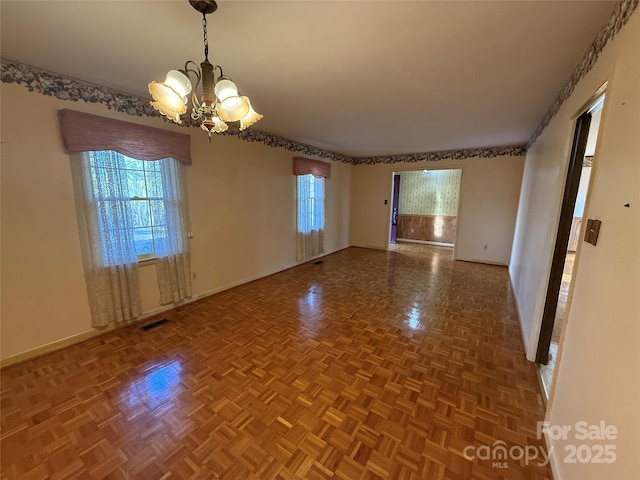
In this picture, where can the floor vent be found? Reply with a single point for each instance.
(154, 324)
(318, 262)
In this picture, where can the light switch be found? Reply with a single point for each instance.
(592, 231)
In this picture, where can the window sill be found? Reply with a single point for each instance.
(147, 262)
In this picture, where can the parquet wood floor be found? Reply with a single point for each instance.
(371, 365)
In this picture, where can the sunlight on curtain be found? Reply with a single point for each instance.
(310, 216)
(174, 264)
(105, 220)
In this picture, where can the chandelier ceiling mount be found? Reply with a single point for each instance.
(205, 7)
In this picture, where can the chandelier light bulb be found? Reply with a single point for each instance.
(233, 109)
(167, 97)
(225, 88)
(250, 118)
(178, 82)
(168, 111)
(213, 124)
(231, 103)
(171, 95)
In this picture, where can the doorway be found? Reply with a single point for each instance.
(425, 206)
(570, 228)
(395, 201)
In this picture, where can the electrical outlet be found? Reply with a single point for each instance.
(194, 275)
(413, 230)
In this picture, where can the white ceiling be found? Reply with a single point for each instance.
(355, 77)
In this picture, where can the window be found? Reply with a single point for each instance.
(133, 189)
(310, 216)
(130, 206)
(310, 203)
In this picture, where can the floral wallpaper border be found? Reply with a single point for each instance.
(619, 17)
(71, 89)
(67, 88)
(487, 152)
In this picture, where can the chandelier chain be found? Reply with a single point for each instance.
(206, 40)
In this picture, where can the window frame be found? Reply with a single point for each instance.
(313, 200)
(123, 169)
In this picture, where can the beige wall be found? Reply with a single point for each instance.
(241, 207)
(487, 206)
(598, 377)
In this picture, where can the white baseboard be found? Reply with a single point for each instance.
(530, 355)
(94, 332)
(262, 275)
(553, 459)
(485, 262)
(371, 247)
(53, 346)
(424, 242)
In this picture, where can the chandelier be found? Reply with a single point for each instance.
(220, 101)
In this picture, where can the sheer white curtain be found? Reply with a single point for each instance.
(174, 264)
(104, 213)
(310, 216)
